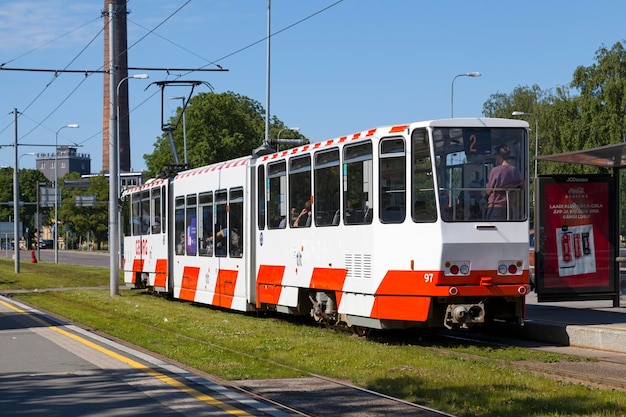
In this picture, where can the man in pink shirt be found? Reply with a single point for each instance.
(503, 187)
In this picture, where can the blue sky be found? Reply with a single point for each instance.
(356, 65)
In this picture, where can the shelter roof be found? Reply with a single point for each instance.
(608, 156)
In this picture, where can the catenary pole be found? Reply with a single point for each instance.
(113, 160)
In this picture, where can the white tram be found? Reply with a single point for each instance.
(399, 233)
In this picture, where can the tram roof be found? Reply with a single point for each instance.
(608, 156)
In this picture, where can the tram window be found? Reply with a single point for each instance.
(261, 197)
(191, 223)
(179, 225)
(392, 180)
(205, 224)
(235, 223)
(327, 182)
(300, 191)
(277, 194)
(357, 182)
(163, 210)
(155, 223)
(136, 213)
(126, 217)
(144, 217)
(465, 157)
(219, 240)
(423, 190)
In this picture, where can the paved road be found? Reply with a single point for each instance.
(96, 258)
(55, 369)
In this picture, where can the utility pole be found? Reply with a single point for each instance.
(113, 147)
(16, 199)
(116, 32)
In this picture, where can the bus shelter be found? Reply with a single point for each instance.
(577, 220)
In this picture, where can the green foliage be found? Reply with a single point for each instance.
(219, 127)
(595, 117)
(28, 180)
(86, 222)
(44, 275)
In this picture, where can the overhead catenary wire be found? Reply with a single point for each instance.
(184, 71)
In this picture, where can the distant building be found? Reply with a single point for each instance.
(67, 160)
(127, 179)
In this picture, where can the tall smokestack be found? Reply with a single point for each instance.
(121, 72)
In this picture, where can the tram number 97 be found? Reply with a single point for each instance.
(428, 277)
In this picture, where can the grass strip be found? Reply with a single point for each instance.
(459, 378)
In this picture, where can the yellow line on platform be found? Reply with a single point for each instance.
(155, 374)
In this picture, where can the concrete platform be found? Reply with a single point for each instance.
(588, 324)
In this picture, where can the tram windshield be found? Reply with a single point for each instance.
(481, 173)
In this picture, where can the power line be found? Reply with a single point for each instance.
(89, 72)
(47, 43)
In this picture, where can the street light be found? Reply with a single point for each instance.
(115, 228)
(18, 198)
(117, 118)
(467, 74)
(184, 125)
(294, 129)
(56, 191)
(521, 113)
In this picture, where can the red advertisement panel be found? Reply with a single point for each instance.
(575, 234)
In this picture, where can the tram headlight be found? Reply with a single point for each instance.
(464, 269)
(502, 269)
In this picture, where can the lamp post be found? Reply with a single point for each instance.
(115, 228)
(521, 113)
(117, 118)
(38, 220)
(56, 191)
(294, 129)
(18, 199)
(184, 125)
(467, 74)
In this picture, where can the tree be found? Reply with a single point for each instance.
(568, 122)
(81, 223)
(602, 100)
(219, 127)
(28, 180)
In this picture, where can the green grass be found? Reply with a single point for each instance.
(43, 275)
(459, 378)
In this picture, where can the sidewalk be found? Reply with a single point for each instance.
(587, 324)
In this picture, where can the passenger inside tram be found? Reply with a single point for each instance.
(505, 182)
(304, 218)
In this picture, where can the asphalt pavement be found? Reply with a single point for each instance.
(51, 368)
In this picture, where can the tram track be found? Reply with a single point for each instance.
(311, 395)
(594, 368)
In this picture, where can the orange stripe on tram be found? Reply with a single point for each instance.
(189, 283)
(269, 284)
(160, 278)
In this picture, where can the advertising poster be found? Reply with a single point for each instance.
(575, 234)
